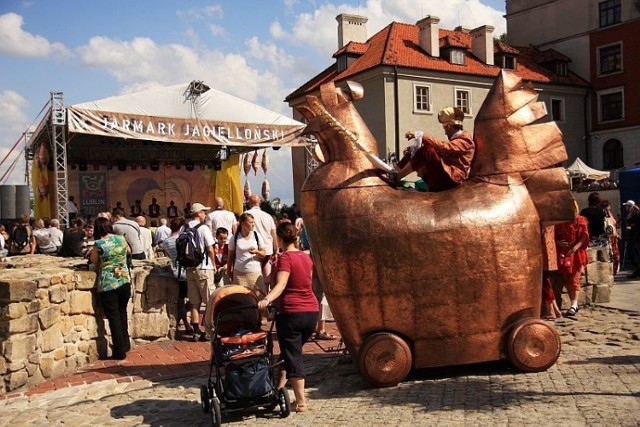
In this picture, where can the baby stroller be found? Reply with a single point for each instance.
(242, 375)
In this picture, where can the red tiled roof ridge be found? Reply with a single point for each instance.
(398, 44)
(352, 47)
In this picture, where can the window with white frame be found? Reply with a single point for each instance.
(463, 100)
(557, 109)
(610, 59)
(422, 98)
(611, 104)
(610, 12)
(456, 56)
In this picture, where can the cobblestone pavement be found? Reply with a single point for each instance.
(596, 381)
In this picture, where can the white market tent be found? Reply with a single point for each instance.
(580, 168)
(185, 113)
(186, 122)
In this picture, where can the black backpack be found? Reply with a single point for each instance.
(20, 237)
(190, 252)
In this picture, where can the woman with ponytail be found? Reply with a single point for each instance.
(297, 310)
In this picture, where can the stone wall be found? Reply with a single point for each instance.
(597, 278)
(50, 323)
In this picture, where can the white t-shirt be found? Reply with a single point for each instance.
(264, 224)
(163, 232)
(147, 242)
(56, 236)
(246, 262)
(222, 218)
(206, 240)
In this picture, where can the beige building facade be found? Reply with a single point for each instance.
(408, 75)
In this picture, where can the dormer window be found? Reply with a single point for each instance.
(509, 62)
(342, 63)
(562, 69)
(456, 56)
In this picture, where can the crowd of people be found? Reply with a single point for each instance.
(271, 259)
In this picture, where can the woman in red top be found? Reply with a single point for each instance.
(572, 239)
(298, 310)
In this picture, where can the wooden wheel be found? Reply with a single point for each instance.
(533, 345)
(385, 359)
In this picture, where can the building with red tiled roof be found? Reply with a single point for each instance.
(601, 38)
(410, 71)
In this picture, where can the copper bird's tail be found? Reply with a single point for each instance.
(508, 141)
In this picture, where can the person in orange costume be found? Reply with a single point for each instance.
(572, 239)
(441, 164)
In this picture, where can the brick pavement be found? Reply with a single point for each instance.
(595, 382)
(158, 361)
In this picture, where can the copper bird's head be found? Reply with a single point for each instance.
(334, 121)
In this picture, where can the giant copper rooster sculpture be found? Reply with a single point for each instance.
(432, 279)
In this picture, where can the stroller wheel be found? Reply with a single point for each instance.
(204, 398)
(216, 413)
(284, 403)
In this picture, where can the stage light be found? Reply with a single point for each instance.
(144, 166)
(96, 167)
(155, 165)
(82, 165)
(122, 165)
(189, 165)
(74, 166)
(223, 154)
(217, 165)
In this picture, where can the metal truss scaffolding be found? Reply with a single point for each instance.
(59, 143)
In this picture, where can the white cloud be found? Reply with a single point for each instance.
(13, 122)
(208, 12)
(318, 30)
(276, 30)
(15, 41)
(13, 117)
(217, 30)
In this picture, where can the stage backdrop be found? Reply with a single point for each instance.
(99, 189)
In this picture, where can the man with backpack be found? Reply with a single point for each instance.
(23, 241)
(195, 251)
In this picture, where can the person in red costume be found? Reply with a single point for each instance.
(441, 164)
(572, 239)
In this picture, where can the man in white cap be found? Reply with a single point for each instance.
(441, 164)
(200, 279)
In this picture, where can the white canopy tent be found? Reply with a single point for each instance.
(186, 113)
(580, 168)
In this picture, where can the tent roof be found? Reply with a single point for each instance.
(175, 102)
(580, 168)
(205, 119)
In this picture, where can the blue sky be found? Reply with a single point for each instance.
(258, 50)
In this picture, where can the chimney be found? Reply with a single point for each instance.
(351, 28)
(482, 43)
(429, 36)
